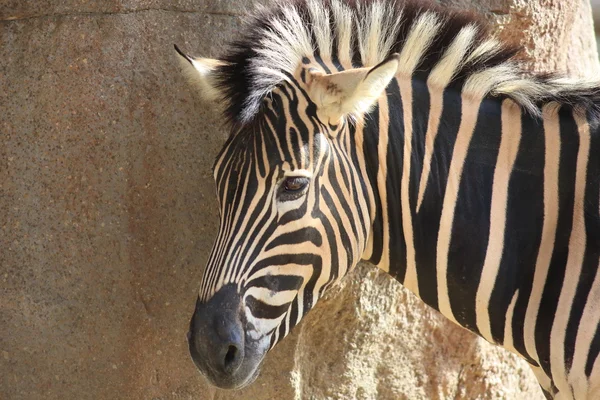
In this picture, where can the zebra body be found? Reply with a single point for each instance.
(511, 256)
(475, 187)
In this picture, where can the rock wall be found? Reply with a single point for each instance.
(107, 215)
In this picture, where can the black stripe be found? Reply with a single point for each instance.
(228, 201)
(247, 235)
(344, 203)
(278, 122)
(593, 353)
(303, 235)
(343, 239)
(277, 283)
(264, 310)
(522, 234)
(592, 256)
(354, 171)
(569, 147)
(255, 243)
(371, 157)
(427, 221)
(293, 312)
(393, 180)
(471, 225)
(421, 110)
(363, 181)
(295, 129)
(589, 265)
(224, 156)
(338, 150)
(320, 61)
(296, 213)
(257, 159)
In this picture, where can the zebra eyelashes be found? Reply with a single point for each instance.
(293, 187)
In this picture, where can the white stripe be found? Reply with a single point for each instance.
(436, 104)
(410, 278)
(508, 328)
(382, 148)
(270, 297)
(507, 155)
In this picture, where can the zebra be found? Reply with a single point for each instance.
(403, 134)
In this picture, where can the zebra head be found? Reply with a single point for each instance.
(294, 210)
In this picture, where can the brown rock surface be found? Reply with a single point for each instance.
(557, 35)
(107, 214)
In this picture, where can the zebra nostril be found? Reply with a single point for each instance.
(232, 358)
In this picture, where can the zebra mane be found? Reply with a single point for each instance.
(446, 47)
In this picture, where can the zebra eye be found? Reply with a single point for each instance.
(293, 187)
(295, 183)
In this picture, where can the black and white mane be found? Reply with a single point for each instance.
(362, 33)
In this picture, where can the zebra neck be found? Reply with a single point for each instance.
(431, 157)
(386, 146)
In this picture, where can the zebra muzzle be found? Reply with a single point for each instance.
(218, 343)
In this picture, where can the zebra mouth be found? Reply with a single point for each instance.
(251, 378)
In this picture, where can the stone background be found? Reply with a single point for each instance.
(107, 215)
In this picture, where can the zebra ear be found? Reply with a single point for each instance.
(351, 92)
(200, 73)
